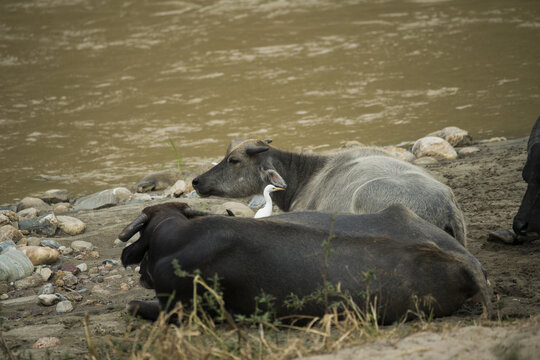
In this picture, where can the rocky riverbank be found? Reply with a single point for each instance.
(64, 253)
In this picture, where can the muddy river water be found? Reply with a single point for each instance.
(93, 92)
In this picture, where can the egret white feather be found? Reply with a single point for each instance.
(266, 210)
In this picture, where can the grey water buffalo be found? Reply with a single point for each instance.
(416, 266)
(361, 181)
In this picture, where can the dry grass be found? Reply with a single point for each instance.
(199, 336)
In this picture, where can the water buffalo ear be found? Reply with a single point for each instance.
(268, 141)
(252, 149)
(272, 176)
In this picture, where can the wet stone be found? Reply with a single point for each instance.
(111, 262)
(45, 224)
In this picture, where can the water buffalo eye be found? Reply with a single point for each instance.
(234, 161)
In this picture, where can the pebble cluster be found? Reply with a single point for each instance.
(55, 271)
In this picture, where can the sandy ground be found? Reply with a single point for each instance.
(488, 187)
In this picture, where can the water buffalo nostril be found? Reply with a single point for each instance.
(195, 181)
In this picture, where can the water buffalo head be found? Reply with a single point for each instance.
(246, 169)
(527, 220)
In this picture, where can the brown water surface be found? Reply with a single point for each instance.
(92, 91)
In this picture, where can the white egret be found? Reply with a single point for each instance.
(266, 210)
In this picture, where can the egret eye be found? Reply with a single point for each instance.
(233, 161)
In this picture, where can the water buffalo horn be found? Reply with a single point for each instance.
(132, 228)
(252, 149)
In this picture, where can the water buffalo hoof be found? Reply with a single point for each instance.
(504, 236)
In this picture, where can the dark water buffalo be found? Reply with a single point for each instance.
(526, 226)
(527, 219)
(272, 256)
(360, 181)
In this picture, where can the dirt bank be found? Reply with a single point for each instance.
(488, 187)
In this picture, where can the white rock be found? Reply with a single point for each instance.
(28, 213)
(83, 267)
(434, 146)
(70, 225)
(81, 245)
(64, 307)
(454, 135)
(178, 188)
(48, 299)
(237, 208)
(122, 193)
(45, 273)
(4, 297)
